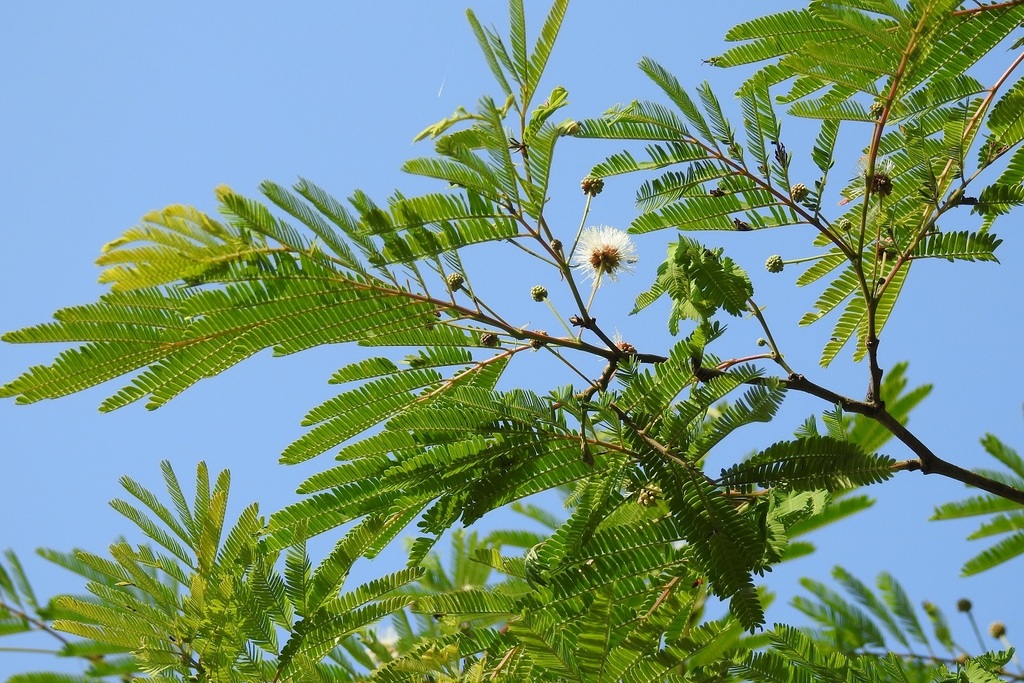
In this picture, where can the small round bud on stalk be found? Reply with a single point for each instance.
(556, 245)
(761, 341)
(844, 224)
(537, 343)
(997, 629)
(489, 339)
(799, 192)
(886, 246)
(646, 498)
(961, 659)
(881, 184)
(569, 128)
(455, 281)
(774, 264)
(592, 186)
(539, 293)
(963, 605)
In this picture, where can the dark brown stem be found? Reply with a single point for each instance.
(985, 8)
(927, 462)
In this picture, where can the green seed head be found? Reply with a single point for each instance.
(774, 264)
(592, 186)
(455, 281)
(539, 293)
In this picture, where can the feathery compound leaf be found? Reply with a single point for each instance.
(699, 281)
(808, 464)
(964, 245)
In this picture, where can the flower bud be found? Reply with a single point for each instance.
(455, 281)
(539, 293)
(774, 264)
(799, 192)
(489, 339)
(592, 186)
(569, 128)
(997, 629)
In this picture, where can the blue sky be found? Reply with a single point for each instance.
(112, 110)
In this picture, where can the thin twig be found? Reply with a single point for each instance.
(985, 8)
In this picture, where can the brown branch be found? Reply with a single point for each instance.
(927, 461)
(663, 597)
(985, 8)
(40, 625)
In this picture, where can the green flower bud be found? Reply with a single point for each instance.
(799, 192)
(592, 186)
(539, 293)
(455, 281)
(774, 264)
(569, 128)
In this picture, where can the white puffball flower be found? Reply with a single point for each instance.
(605, 251)
(882, 165)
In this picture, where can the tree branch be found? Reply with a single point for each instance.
(927, 462)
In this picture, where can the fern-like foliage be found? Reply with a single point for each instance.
(209, 601)
(896, 73)
(426, 430)
(850, 638)
(1005, 519)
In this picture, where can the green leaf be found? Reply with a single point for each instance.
(808, 464)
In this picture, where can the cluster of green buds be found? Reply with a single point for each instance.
(569, 128)
(647, 497)
(592, 186)
(799, 192)
(455, 281)
(774, 264)
(539, 293)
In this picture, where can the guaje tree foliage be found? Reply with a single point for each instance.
(429, 432)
